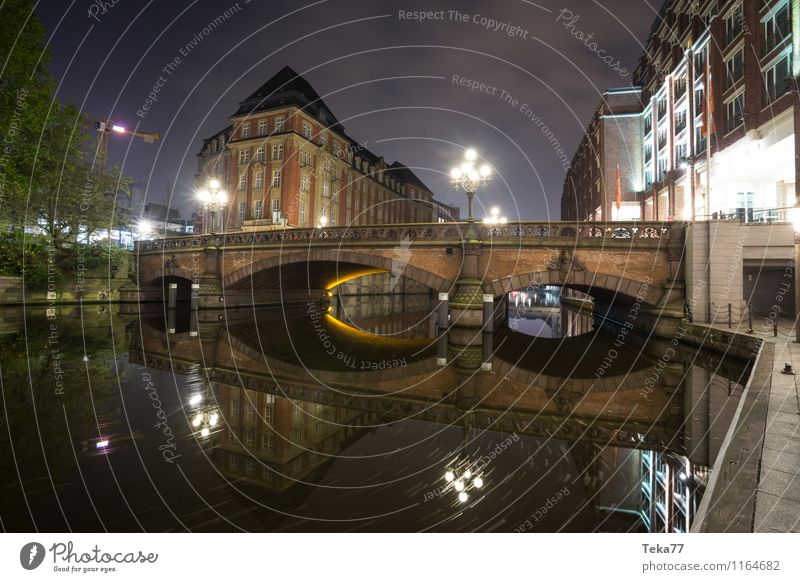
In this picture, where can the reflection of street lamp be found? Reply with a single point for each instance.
(494, 217)
(463, 478)
(469, 178)
(212, 200)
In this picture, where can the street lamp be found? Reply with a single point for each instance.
(494, 217)
(213, 200)
(469, 178)
(323, 221)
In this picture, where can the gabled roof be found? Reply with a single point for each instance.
(405, 175)
(286, 87)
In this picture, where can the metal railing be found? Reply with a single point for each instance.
(565, 233)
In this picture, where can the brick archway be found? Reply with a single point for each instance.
(583, 281)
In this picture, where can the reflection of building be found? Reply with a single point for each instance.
(386, 304)
(286, 159)
(275, 441)
(743, 50)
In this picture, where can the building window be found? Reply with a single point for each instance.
(662, 138)
(776, 79)
(251, 438)
(662, 168)
(648, 122)
(699, 100)
(302, 214)
(245, 130)
(648, 152)
(662, 107)
(243, 181)
(260, 154)
(305, 184)
(259, 179)
(735, 68)
(680, 87)
(680, 153)
(680, 121)
(244, 156)
(276, 178)
(266, 441)
(733, 113)
(242, 209)
(305, 158)
(262, 127)
(323, 138)
(257, 210)
(278, 124)
(235, 408)
(337, 150)
(326, 190)
(332, 221)
(733, 24)
(277, 152)
(776, 28)
(306, 130)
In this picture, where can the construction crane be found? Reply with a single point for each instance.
(104, 127)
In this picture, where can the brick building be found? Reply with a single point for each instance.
(286, 160)
(747, 52)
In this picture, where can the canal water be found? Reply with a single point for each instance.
(343, 418)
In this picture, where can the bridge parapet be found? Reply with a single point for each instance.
(526, 233)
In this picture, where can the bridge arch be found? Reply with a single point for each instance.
(599, 285)
(324, 269)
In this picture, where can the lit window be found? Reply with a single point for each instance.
(326, 190)
(262, 127)
(302, 214)
(245, 130)
(277, 152)
(244, 156)
(276, 178)
(260, 154)
(242, 209)
(243, 181)
(259, 179)
(305, 184)
(777, 79)
(776, 28)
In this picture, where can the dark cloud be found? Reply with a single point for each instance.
(389, 80)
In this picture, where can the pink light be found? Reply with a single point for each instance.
(118, 128)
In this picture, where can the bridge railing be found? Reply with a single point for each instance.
(561, 232)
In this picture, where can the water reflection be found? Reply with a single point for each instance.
(274, 420)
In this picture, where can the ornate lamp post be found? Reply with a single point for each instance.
(469, 178)
(213, 200)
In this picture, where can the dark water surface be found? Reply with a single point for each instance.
(294, 420)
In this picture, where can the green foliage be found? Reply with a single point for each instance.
(47, 175)
(29, 256)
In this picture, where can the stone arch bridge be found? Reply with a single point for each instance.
(629, 262)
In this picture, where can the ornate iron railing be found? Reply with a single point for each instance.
(561, 232)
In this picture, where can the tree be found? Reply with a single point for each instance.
(47, 177)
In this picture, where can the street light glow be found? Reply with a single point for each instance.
(471, 155)
(118, 129)
(213, 184)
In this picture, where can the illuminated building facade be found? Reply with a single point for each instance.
(746, 51)
(285, 160)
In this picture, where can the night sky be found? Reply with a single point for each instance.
(387, 77)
